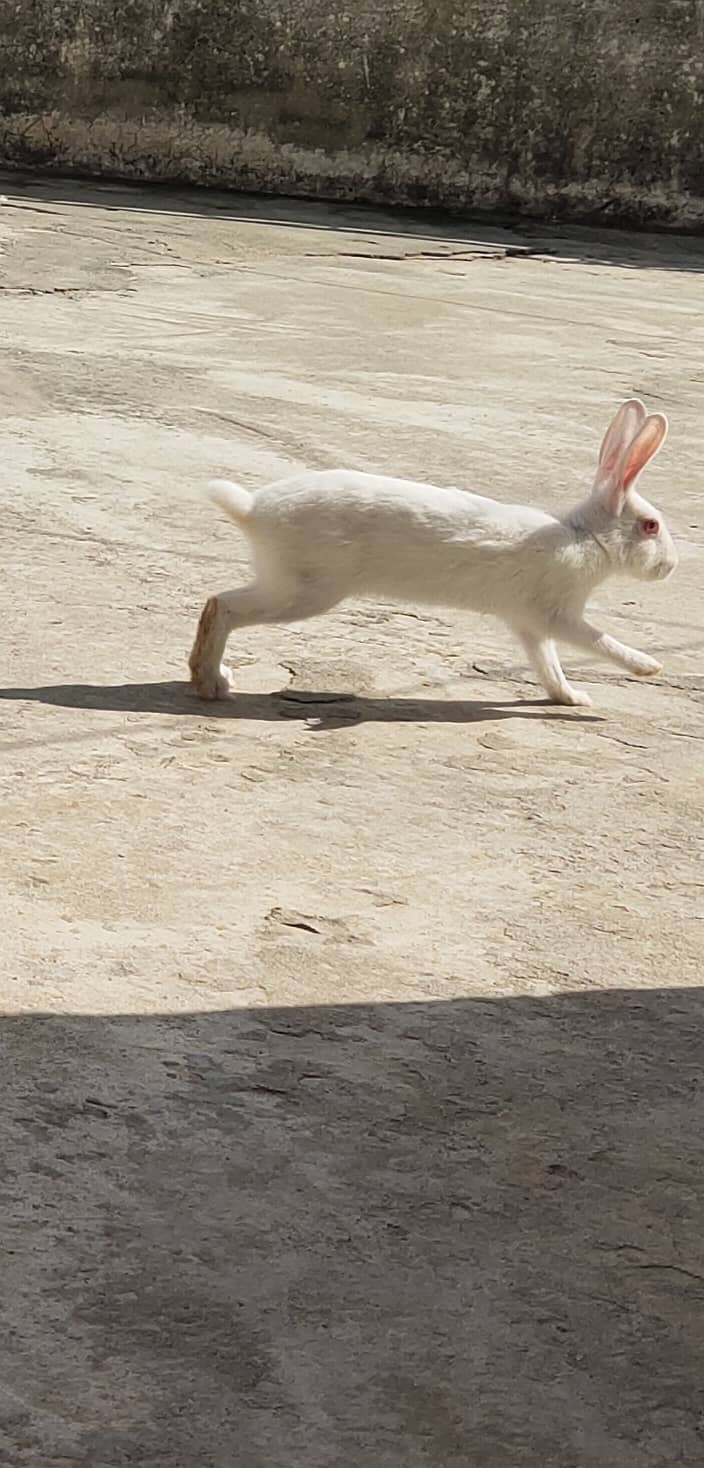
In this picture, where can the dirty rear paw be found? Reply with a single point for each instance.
(210, 684)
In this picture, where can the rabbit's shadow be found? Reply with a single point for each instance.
(321, 710)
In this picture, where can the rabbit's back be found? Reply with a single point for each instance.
(392, 537)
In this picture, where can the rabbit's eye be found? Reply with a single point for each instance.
(649, 527)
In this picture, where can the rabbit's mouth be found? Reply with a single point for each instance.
(664, 570)
(663, 567)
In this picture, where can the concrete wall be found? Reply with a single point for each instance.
(580, 107)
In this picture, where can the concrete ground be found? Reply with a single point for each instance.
(352, 1030)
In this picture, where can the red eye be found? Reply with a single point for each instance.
(650, 527)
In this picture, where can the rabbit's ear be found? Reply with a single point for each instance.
(618, 435)
(608, 482)
(650, 437)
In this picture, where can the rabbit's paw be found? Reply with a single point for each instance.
(211, 684)
(645, 667)
(574, 698)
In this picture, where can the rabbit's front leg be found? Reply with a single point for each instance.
(543, 655)
(581, 634)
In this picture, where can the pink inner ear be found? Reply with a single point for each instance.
(619, 434)
(645, 445)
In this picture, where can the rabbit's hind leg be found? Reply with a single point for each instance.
(245, 607)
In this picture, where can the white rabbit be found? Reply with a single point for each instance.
(320, 537)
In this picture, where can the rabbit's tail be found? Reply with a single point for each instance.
(235, 501)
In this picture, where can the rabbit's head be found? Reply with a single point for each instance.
(630, 531)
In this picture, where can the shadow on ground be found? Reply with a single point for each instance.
(328, 710)
(464, 1234)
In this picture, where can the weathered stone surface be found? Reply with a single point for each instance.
(528, 105)
(351, 1029)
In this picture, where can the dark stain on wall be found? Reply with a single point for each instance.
(582, 108)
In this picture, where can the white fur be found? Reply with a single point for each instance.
(321, 537)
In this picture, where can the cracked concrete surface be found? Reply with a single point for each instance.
(351, 1045)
